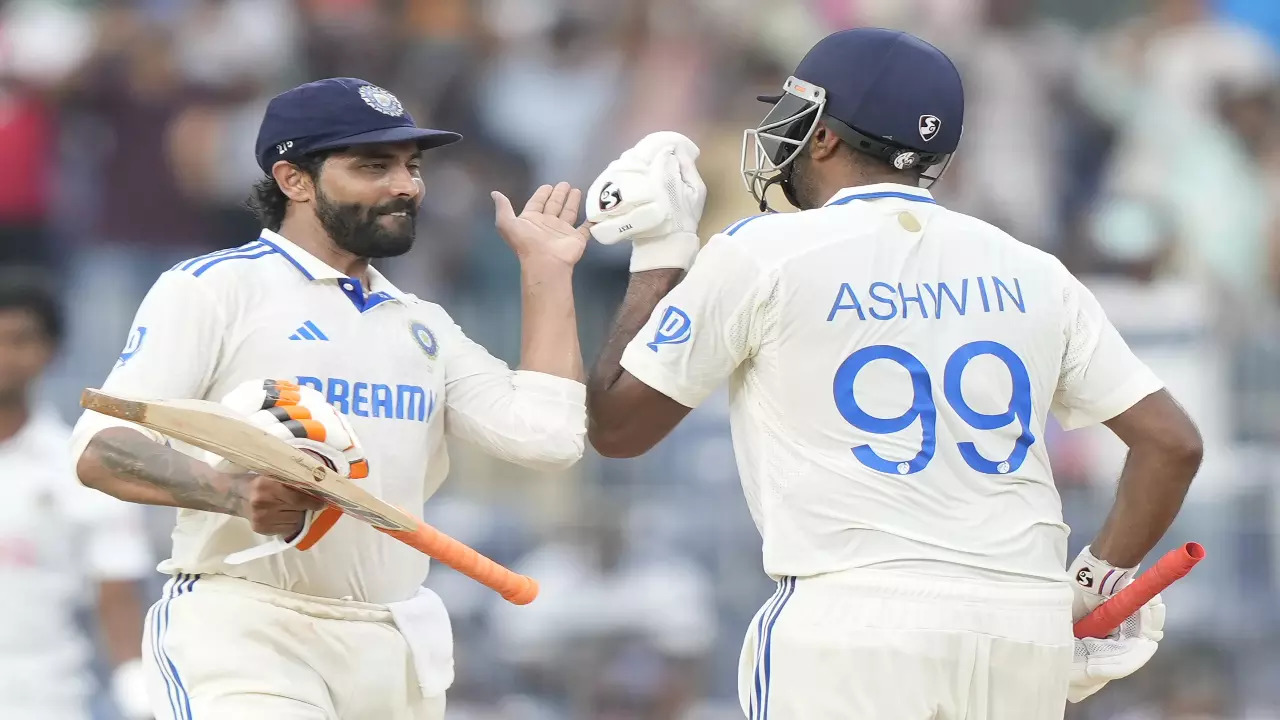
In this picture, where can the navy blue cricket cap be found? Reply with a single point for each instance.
(334, 113)
(888, 84)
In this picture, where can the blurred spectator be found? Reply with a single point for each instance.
(1018, 78)
(1160, 80)
(41, 43)
(129, 93)
(616, 633)
(60, 543)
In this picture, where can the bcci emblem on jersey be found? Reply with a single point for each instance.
(674, 329)
(425, 339)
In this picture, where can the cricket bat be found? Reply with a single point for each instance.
(211, 426)
(1170, 568)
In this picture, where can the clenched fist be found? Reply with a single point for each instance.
(273, 508)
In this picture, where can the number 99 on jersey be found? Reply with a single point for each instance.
(924, 408)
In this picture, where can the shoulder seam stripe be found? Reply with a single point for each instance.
(188, 264)
(742, 223)
(203, 268)
(288, 257)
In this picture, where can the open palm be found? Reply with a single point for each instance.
(544, 229)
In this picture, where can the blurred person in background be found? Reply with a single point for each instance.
(1019, 72)
(1158, 80)
(41, 43)
(240, 52)
(622, 627)
(140, 218)
(64, 548)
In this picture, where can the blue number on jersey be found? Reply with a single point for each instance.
(923, 407)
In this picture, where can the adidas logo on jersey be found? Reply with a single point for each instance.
(308, 331)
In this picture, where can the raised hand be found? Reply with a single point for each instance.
(544, 229)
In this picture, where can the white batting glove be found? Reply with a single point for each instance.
(652, 195)
(1094, 581)
(1098, 661)
(302, 417)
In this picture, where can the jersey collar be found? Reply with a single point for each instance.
(316, 269)
(879, 191)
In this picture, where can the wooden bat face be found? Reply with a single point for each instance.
(210, 426)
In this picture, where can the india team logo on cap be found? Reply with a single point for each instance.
(425, 339)
(381, 100)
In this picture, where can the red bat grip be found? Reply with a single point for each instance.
(1167, 570)
(516, 588)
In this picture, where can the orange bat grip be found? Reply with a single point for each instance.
(514, 587)
(1167, 570)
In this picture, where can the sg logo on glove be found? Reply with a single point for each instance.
(1085, 577)
(610, 196)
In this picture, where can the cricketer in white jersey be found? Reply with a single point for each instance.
(343, 629)
(891, 368)
(65, 550)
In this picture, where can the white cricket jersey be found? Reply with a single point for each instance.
(398, 367)
(57, 538)
(891, 366)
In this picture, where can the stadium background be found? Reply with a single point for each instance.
(1131, 138)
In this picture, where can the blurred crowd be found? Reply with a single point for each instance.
(1133, 139)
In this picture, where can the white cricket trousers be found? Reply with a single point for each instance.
(222, 648)
(896, 646)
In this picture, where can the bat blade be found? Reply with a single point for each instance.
(210, 426)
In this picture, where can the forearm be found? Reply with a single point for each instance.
(120, 617)
(644, 292)
(130, 466)
(1153, 484)
(549, 321)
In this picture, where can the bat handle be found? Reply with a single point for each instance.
(515, 588)
(1168, 569)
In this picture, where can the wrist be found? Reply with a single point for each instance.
(1098, 576)
(1094, 580)
(540, 265)
(674, 251)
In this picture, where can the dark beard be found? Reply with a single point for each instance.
(356, 230)
(797, 184)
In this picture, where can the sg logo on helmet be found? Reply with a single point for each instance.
(929, 127)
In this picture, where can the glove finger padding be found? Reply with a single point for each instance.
(654, 144)
(301, 416)
(1098, 661)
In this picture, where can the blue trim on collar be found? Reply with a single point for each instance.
(885, 194)
(357, 297)
(738, 225)
(288, 257)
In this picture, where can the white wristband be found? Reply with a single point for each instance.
(671, 251)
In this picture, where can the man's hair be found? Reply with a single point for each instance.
(269, 203)
(30, 289)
